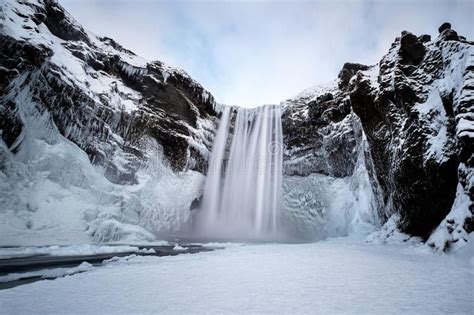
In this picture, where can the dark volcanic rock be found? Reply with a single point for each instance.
(424, 38)
(410, 121)
(60, 23)
(411, 49)
(321, 135)
(449, 35)
(171, 94)
(444, 26)
(417, 185)
(446, 33)
(348, 71)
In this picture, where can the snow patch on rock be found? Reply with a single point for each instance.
(451, 234)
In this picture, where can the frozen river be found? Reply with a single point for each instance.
(335, 276)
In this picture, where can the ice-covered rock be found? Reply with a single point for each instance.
(96, 142)
(420, 138)
(416, 111)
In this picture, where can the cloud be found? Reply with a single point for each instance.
(250, 53)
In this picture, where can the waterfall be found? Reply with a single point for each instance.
(242, 192)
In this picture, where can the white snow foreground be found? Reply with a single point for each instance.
(334, 276)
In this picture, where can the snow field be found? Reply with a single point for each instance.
(338, 276)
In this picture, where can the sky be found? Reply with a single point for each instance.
(250, 53)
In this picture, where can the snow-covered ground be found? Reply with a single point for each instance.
(334, 276)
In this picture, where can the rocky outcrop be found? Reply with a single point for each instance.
(411, 122)
(412, 49)
(329, 183)
(321, 135)
(415, 109)
(113, 95)
(88, 130)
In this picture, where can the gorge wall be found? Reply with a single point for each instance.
(99, 144)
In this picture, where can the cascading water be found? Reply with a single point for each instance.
(242, 193)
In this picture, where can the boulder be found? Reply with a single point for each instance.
(349, 69)
(424, 38)
(444, 26)
(449, 34)
(411, 49)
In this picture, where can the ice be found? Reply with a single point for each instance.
(52, 194)
(47, 273)
(317, 206)
(68, 250)
(142, 243)
(328, 277)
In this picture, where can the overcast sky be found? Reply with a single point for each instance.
(259, 52)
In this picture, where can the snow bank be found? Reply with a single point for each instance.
(450, 234)
(112, 230)
(310, 94)
(390, 234)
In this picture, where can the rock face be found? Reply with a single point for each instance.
(121, 143)
(329, 184)
(82, 105)
(416, 110)
(112, 92)
(444, 26)
(414, 122)
(412, 49)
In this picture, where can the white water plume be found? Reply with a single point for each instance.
(242, 193)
